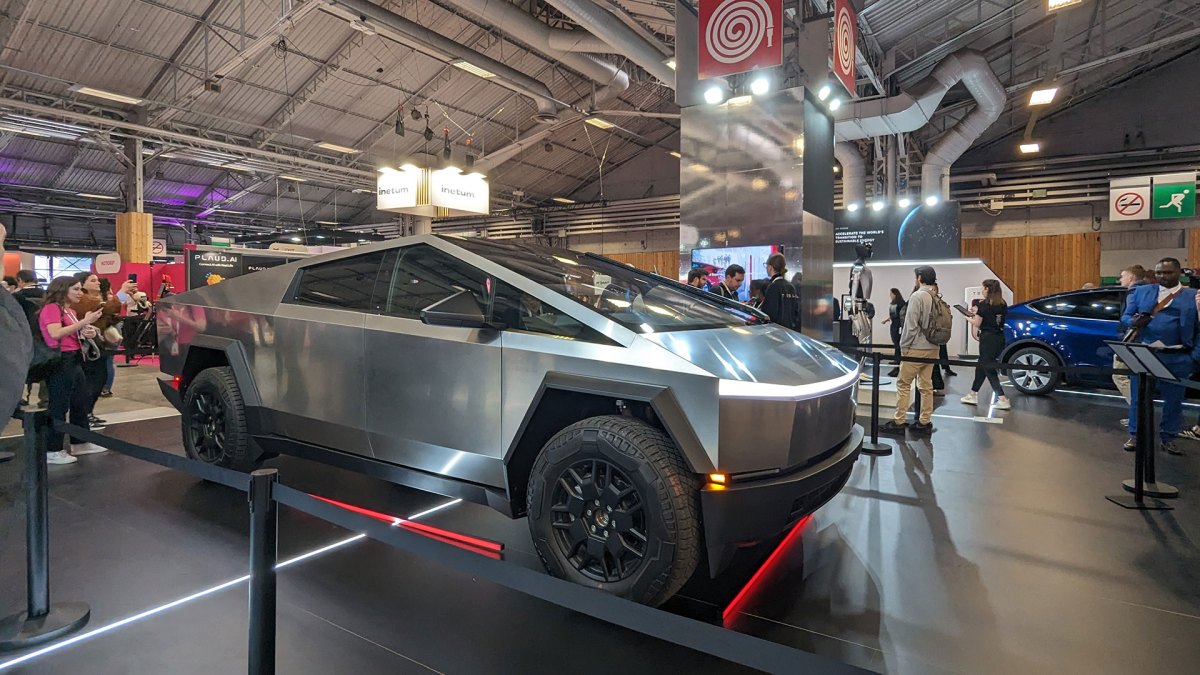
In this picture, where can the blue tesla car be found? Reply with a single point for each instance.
(1066, 329)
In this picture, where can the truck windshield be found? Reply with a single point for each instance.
(640, 301)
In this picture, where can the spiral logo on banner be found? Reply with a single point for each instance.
(739, 35)
(738, 28)
(845, 39)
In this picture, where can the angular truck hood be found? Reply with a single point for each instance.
(758, 354)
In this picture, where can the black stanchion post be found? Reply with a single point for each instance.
(264, 539)
(1146, 431)
(41, 621)
(873, 446)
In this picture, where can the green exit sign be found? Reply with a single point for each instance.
(1173, 198)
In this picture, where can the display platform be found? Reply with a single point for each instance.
(981, 549)
(887, 392)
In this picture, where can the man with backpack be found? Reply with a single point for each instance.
(927, 326)
(18, 346)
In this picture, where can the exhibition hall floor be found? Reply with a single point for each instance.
(986, 548)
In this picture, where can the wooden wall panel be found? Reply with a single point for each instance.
(665, 263)
(1037, 266)
(1193, 248)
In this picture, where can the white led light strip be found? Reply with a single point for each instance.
(200, 594)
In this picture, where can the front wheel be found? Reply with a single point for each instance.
(214, 422)
(1033, 382)
(613, 505)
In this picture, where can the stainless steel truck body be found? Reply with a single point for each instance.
(641, 425)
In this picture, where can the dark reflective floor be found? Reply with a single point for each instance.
(986, 548)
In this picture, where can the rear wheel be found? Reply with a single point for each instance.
(613, 505)
(1031, 381)
(214, 421)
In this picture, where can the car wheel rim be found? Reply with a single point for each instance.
(206, 426)
(599, 521)
(1031, 379)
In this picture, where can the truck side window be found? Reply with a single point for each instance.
(423, 275)
(518, 310)
(340, 284)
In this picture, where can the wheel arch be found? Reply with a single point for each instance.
(210, 351)
(1011, 349)
(563, 400)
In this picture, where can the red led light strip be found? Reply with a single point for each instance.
(762, 571)
(468, 542)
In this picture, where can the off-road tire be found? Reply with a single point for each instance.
(236, 450)
(668, 491)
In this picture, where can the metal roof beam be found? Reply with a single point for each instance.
(10, 32)
(252, 51)
(201, 24)
(296, 102)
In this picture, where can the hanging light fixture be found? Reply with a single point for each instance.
(428, 133)
(446, 142)
(400, 120)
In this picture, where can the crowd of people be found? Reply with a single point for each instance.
(76, 318)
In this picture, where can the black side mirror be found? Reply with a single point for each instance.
(460, 310)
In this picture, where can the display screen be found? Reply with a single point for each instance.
(915, 233)
(752, 258)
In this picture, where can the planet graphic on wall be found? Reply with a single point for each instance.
(927, 232)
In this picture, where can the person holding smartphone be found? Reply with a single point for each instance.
(987, 326)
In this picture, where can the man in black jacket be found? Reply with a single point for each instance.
(18, 346)
(728, 288)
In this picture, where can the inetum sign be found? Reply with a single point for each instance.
(425, 192)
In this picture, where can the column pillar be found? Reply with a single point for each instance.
(135, 227)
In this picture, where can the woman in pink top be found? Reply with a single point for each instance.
(61, 329)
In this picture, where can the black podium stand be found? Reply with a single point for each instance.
(1142, 360)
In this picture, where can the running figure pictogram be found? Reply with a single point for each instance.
(1176, 201)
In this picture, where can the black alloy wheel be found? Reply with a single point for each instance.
(599, 521)
(613, 505)
(214, 422)
(206, 426)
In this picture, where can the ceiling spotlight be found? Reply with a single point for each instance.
(878, 205)
(1059, 4)
(1030, 147)
(548, 146)
(852, 207)
(760, 86)
(932, 200)
(599, 123)
(824, 92)
(415, 114)
(835, 104)
(904, 202)
(399, 125)
(446, 143)
(1043, 96)
(713, 95)
(298, 179)
(671, 63)
(562, 200)
(674, 154)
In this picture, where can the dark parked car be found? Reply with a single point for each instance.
(1067, 329)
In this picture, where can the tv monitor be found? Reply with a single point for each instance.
(752, 258)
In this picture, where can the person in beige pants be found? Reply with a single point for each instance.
(914, 343)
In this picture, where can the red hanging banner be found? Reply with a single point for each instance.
(739, 35)
(845, 43)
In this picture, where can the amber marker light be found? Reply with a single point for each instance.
(718, 478)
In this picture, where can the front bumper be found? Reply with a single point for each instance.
(751, 511)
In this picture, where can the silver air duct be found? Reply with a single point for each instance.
(426, 41)
(854, 173)
(912, 109)
(601, 23)
(562, 45)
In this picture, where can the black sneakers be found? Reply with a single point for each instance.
(922, 428)
(893, 427)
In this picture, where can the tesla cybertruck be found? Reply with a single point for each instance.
(642, 426)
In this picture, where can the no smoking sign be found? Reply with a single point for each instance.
(1129, 199)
